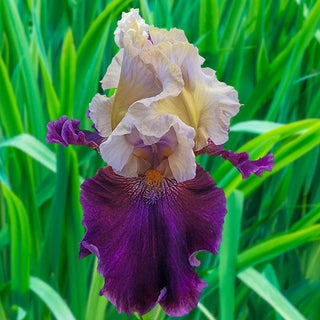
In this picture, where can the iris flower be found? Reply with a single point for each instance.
(153, 207)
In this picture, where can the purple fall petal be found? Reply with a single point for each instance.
(145, 237)
(65, 132)
(245, 166)
(240, 160)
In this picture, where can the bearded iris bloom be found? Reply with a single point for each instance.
(153, 207)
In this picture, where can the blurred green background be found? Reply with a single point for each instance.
(52, 57)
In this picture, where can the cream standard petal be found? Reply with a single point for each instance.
(100, 114)
(156, 142)
(138, 80)
(182, 161)
(112, 76)
(117, 150)
(167, 72)
(145, 78)
(220, 103)
(204, 103)
(162, 35)
(130, 21)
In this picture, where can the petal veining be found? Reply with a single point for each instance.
(112, 76)
(204, 103)
(150, 141)
(150, 262)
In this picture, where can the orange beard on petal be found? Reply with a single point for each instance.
(153, 178)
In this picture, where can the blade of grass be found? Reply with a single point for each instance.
(53, 103)
(271, 276)
(77, 292)
(266, 140)
(231, 27)
(208, 24)
(274, 74)
(228, 255)
(266, 251)
(2, 314)
(67, 74)
(51, 299)
(255, 126)
(19, 233)
(14, 27)
(270, 294)
(287, 153)
(145, 11)
(4, 237)
(9, 117)
(205, 311)
(34, 148)
(308, 220)
(96, 305)
(55, 221)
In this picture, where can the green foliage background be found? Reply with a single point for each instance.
(52, 56)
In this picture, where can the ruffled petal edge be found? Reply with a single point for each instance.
(66, 132)
(240, 160)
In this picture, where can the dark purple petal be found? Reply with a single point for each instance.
(145, 236)
(65, 132)
(245, 166)
(240, 160)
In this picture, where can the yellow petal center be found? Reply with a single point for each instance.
(153, 178)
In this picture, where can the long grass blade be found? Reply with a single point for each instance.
(270, 294)
(51, 298)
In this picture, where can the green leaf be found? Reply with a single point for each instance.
(262, 61)
(308, 220)
(4, 237)
(255, 126)
(228, 254)
(34, 148)
(67, 74)
(270, 294)
(53, 103)
(268, 249)
(19, 232)
(92, 38)
(275, 73)
(96, 305)
(154, 314)
(2, 314)
(287, 153)
(271, 248)
(208, 25)
(21, 53)
(205, 311)
(9, 116)
(51, 299)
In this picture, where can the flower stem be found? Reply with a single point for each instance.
(154, 314)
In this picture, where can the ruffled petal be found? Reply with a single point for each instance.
(245, 166)
(240, 160)
(219, 103)
(112, 76)
(162, 35)
(144, 78)
(100, 114)
(204, 103)
(130, 22)
(137, 81)
(145, 236)
(132, 147)
(65, 132)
